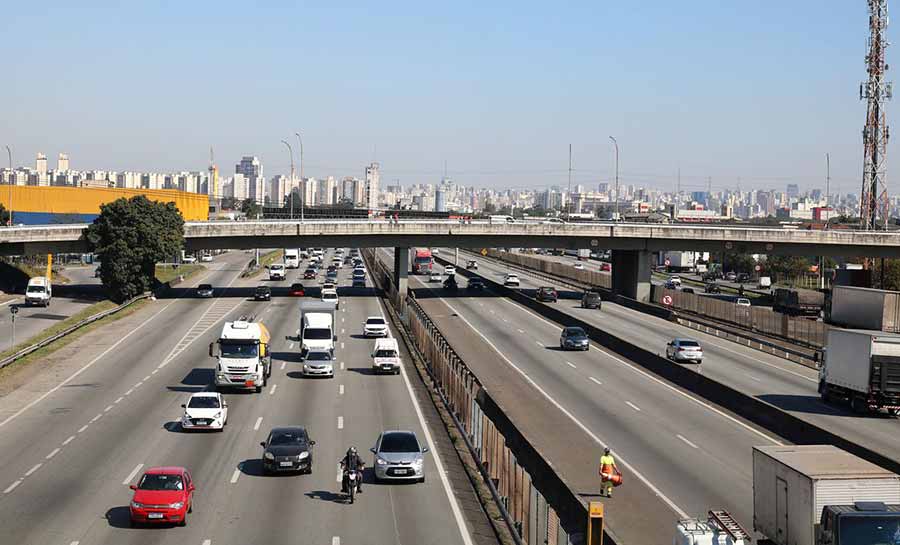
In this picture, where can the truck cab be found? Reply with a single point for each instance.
(863, 522)
(243, 356)
(317, 327)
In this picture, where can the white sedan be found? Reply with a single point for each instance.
(449, 270)
(205, 411)
(435, 276)
(511, 280)
(375, 326)
(579, 266)
(331, 296)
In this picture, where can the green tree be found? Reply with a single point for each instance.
(785, 267)
(737, 262)
(251, 208)
(490, 208)
(131, 236)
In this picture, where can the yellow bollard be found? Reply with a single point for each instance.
(595, 524)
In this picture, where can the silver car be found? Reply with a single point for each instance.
(684, 350)
(318, 363)
(399, 456)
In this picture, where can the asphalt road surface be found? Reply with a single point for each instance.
(71, 449)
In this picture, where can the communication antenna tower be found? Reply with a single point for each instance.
(873, 202)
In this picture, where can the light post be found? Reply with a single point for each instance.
(302, 180)
(291, 150)
(13, 310)
(617, 176)
(11, 176)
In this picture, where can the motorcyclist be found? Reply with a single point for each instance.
(450, 282)
(351, 462)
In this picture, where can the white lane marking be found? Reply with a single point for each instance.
(33, 469)
(133, 474)
(118, 400)
(272, 389)
(343, 331)
(83, 369)
(683, 438)
(53, 453)
(339, 473)
(96, 418)
(283, 364)
(291, 345)
(235, 475)
(340, 422)
(596, 381)
(342, 319)
(572, 365)
(69, 440)
(539, 343)
(342, 365)
(342, 346)
(754, 378)
(681, 512)
(74, 543)
(258, 422)
(138, 385)
(207, 542)
(153, 372)
(12, 487)
(128, 393)
(633, 406)
(521, 331)
(659, 381)
(82, 428)
(341, 389)
(147, 377)
(298, 332)
(108, 408)
(335, 540)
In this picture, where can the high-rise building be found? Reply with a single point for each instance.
(359, 193)
(793, 191)
(62, 163)
(373, 177)
(279, 187)
(252, 170)
(325, 193)
(440, 200)
(40, 165)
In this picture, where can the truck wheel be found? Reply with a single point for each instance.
(858, 405)
(259, 389)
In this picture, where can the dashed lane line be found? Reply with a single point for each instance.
(133, 474)
(53, 453)
(683, 438)
(258, 422)
(633, 406)
(33, 469)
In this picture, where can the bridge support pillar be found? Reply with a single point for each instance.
(401, 270)
(631, 273)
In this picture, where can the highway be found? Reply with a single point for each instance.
(696, 456)
(32, 320)
(74, 438)
(788, 385)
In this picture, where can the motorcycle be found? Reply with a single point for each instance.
(472, 265)
(450, 283)
(351, 477)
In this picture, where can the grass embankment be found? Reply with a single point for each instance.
(165, 273)
(264, 261)
(75, 335)
(32, 271)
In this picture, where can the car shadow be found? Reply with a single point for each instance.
(199, 379)
(252, 467)
(173, 427)
(361, 336)
(300, 376)
(366, 371)
(327, 495)
(119, 517)
(290, 357)
(813, 405)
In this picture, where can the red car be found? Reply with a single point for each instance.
(297, 290)
(606, 267)
(162, 495)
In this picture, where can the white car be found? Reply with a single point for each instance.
(318, 363)
(338, 262)
(375, 326)
(742, 302)
(205, 411)
(579, 266)
(189, 259)
(449, 270)
(684, 350)
(329, 286)
(435, 276)
(511, 279)
(675, 280)
(206, 258)
(331, 296)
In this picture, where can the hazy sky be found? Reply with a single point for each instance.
(753, 90)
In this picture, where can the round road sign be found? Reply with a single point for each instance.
(13, 309)
(668, 262)
(667, 300)
(757, 268)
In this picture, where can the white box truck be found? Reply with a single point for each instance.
(861, 368)
(317, 326)
(865, 308)
(822, 495)
(243, 355)
(292, 258)
(39, 291)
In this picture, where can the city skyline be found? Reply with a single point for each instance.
(693, 87)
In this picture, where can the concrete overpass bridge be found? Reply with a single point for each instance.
(632, 243)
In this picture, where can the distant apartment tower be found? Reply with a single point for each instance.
(373, 177)
(440, 200)
(40, 167)
(252, 171)
(793, 191)
(62, 163)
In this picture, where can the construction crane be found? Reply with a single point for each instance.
(873, 203)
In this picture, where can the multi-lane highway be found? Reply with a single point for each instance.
(73, 439)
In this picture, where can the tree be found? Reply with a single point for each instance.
(131, 236)
(785, 267)
(251, 208)
(738, 262)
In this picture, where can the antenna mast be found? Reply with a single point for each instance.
(873, 200)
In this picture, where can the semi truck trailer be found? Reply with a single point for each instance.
(862, 368)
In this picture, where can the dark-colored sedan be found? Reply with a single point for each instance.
(287, 449)
(262, 293)
(591, 299)
(547, 294)
(574, 338)
(205, 290)
(331, 276)
(712, 287)
(475, 284)
(297, 290)
(309, 274)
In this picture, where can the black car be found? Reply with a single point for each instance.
(309, 274)
(331, 268)
(547, 294)
(287, 449)
(574, 338)
(263, 293)
(331, 276)
(742, 278)
(475, 284)
(712, 287)
(591, 299)
(687, 290)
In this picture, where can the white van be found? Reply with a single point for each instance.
(317, 332)
(386, 356)
(276, 272)
(39, 291)
(765, 282)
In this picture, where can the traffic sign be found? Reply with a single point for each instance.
(668, 262)
(667, 300)
(757, 268)
(484, 251)
(13, 309)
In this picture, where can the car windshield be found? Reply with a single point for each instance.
(204, 402)
(288, 438)
(375, 321)
(316, 334)
(310, 271)
(238, 350)
(204, 287)
(35, 289)
(399, 442)
(869, 530)
(385, 353)
(156, 481)
(574, 332)
(689, 344)
(261, 289)
(329, 296)
(318, 356)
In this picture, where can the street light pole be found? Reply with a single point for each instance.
(291, 150)
(617, 176)
(302, 180)
(10, 180)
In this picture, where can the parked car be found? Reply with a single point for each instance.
(475, 284)
(189, 259)
(684, 350)
(297, 290)
(205, 290)
(579, 266)
(399, 456)
(712, 287)
(675, 280)
(743, 278)
(591, 299)
(511, 280)
(163, 495)
(730, 276)
(287, 449)
(205, 411)
(262, 293)
(318, 363)
(206, 258)
(687, 290)
(547, 294)
(574, 338)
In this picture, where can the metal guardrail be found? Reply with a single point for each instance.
(69, 330)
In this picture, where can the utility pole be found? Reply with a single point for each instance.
(11, 176)
(302, 181)
(616, 144)
(873, 197)
(291, 150)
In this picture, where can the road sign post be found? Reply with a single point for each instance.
(13, 310)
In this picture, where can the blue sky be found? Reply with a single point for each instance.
(753, 90)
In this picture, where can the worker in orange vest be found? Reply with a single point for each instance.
(608, 470)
